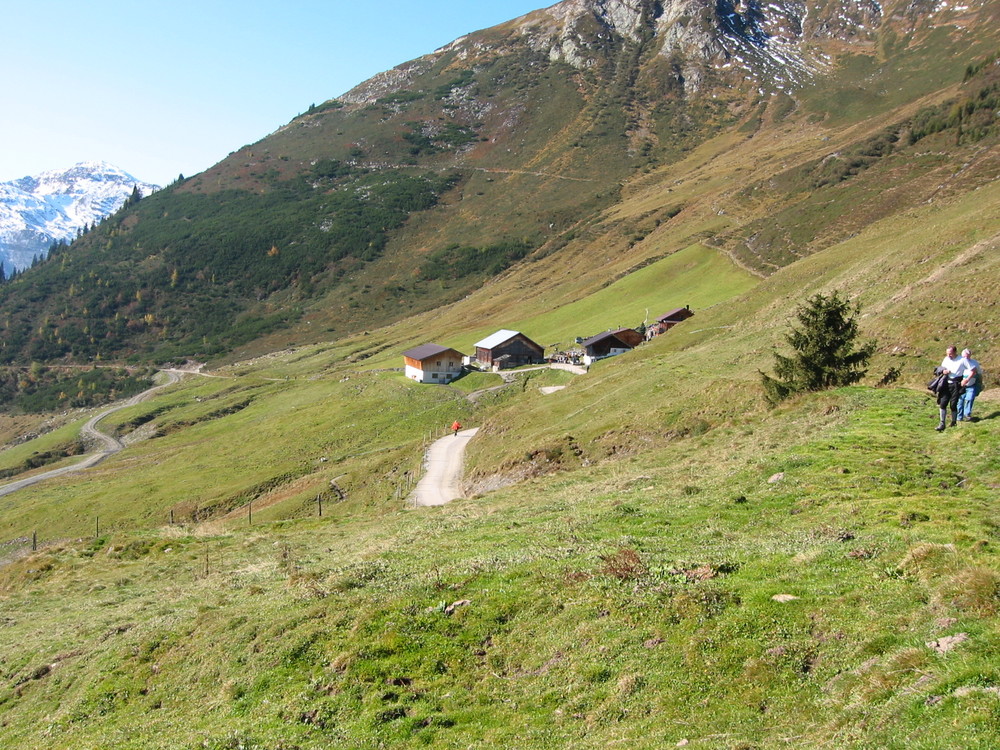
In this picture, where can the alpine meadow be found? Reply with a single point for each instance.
(650, 549)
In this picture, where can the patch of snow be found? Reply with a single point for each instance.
(37, 211)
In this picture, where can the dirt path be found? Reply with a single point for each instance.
(109, 445)
(510, 377)
(443, 481)
(550, 389)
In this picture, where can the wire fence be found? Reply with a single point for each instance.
(400, 489)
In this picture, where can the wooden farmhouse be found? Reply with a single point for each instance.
(432, 363)
(609, 344)
(668, 320)
(506, 349)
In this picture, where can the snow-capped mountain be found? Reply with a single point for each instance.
(56, 205)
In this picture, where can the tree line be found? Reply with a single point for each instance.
(187, 274)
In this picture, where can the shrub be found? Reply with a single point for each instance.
(824, 355)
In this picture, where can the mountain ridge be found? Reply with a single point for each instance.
(508, 142)
(56, 205)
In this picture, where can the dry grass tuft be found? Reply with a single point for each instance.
(927, 560)
(625, 565)
(972, 589)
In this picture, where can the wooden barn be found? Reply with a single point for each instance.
(506, 349)
(432, 363)
(609, 344)
(668, 320)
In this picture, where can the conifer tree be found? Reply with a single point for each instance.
(823, 350)
(134, 198)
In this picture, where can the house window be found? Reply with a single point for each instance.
(434, 375)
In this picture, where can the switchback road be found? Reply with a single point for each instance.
(109, 445)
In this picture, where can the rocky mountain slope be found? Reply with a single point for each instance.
(509, 145)
(55, 206)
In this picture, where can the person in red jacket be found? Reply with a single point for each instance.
(456, 426)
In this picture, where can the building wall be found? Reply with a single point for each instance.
(433, 370)
(519, 351)
(605, 352)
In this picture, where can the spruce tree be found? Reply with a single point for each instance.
(823, 350)
(134, 198)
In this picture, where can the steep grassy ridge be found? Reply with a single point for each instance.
(910, 278)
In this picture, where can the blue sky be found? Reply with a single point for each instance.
(167, 87)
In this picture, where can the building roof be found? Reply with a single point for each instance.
(426, 351)
(500, 337)
(679, 314)
(608, 334)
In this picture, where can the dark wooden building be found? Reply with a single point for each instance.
(609, 344)
(668, 320)
(506, 349)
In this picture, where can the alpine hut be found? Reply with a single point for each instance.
(432, 363)
(668, 320)
(609, 344)
(505, 349)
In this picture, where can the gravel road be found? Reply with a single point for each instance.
(443, 481)
(109, 445)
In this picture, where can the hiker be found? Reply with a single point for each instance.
(972, 384)
(953, 368)
(456, 426)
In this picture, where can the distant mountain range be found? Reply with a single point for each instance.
(56, 205)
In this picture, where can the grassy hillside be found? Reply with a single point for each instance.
(620, 588)
(650, 557)
(627, 602)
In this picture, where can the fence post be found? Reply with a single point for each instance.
(97, 529)
(250, 512)
(34, 541)
(319, 502)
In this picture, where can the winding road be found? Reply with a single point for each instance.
(443, 481)
(109, 445)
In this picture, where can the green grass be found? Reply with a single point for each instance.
(52, 442)
(607, 605)
(697, 276)
(476, 381)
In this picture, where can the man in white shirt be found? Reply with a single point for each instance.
(972, 384)
(948, 397)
